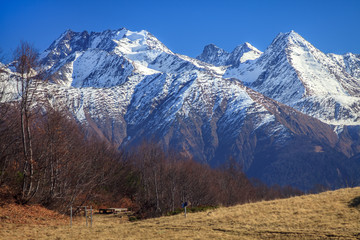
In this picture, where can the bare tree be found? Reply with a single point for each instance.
(25, 63)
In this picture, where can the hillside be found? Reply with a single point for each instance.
(322, 216)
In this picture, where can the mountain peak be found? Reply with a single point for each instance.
(248, 45)
(212, 47)
(288, 40)
(291, 33)
(214, 55)
(243, 53)
(294, 36)
(66, 35)
(245, 47)
(291, 36)
(109, 40)
(68, 31)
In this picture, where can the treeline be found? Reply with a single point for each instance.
(162, 181)
(68, 168)
(46, 158)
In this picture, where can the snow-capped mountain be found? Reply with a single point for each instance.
(294, 72)
(108, 58)
(127, 86)
(101, 59)
(219, 57)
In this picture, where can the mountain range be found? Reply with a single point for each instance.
(288, 115)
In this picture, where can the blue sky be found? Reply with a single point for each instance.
(186, 26)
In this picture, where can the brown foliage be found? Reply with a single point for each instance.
(70, 169)
(66, 167)
(34, 214)
(162, 181)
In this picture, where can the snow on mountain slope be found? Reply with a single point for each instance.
(135, 45)
(108, 58)
(219, 57)
(195, 112)
(103, 59)
(295, 73)
(151, 80)
(182, 95)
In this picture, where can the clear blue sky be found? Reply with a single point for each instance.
(186, 26)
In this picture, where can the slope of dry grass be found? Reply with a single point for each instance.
(323, 216)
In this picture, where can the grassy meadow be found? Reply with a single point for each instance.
(322, 216)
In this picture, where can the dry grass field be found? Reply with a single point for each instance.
(323, 216)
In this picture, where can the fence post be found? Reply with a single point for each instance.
(86, 216)
(71, 216)
(91, 214)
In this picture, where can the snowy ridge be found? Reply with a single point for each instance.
(294, 72)
(291, 70)
(107, 59)
(101, 59)
(219, 57)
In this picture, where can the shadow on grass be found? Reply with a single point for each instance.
(355, 203)
(192, 210)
